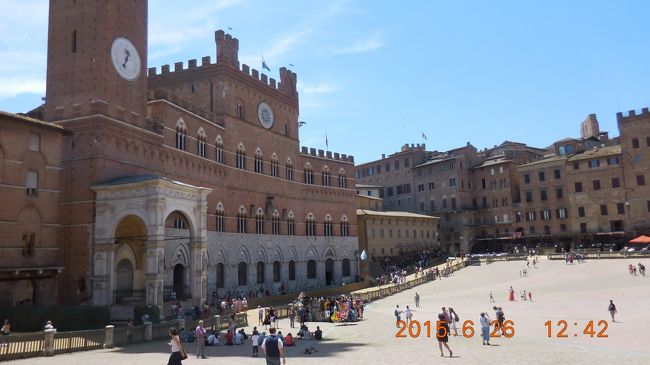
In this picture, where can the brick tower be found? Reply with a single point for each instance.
(96, 89)
(96, 60)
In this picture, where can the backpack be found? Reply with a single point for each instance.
(456, 319)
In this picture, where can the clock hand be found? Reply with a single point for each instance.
(126, 58)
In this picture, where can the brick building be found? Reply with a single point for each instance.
(30, 180)
(180, 182)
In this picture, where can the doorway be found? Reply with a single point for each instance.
(329, 272)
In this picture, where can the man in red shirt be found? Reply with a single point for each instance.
(229, 338)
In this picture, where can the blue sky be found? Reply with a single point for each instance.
(374, 75)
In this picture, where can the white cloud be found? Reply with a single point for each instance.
(10, 87)
(322, 88)
(360, 46)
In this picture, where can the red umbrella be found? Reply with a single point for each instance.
(641, 239)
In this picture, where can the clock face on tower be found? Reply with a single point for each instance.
(126, 59)
(265, 115)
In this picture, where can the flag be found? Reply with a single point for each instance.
(264, 65)
(424, 136)
(326, 141)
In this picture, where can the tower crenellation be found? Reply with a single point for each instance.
(328, 155)
(632, 116)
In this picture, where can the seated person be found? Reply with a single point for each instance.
(304, 331)
(229, 338)
(318, 334)
(191, 336)
(243, 334)
(239, 338)
(280, 336)
(288, 341)
(213, 339)
(262, 335)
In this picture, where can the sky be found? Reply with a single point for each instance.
(374, 75)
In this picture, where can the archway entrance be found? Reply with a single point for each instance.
(179, 281)
(329, 272)
(130, 237)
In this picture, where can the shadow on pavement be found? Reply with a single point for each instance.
(324, 348)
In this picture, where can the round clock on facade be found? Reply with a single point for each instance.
(265, 115)
(126, 59)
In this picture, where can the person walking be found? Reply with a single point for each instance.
(417, 299)
(453, 317)
(443, 334)
(484, 321)
(408, 314)
(491, 297)
(530, 296)
(260, 314)
(255, 338)
(511, 296)
(6, 328)
(177, 349)
(612, 310)
(200, 340)
(272, 347)
(398, 314)
(292, 316)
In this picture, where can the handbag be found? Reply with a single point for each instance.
(183, 355)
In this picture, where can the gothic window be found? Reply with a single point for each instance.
(289, 168)
(200, 142)
(292, 270)
(241, 220)
(275, 223)
(310, 225)
(327, 226)
(241, 157)
(259, 221)
(259, 162)
(276, 271)
(291, 224)
(260, 272)
(274, 165)
(218, 144)
(345, 267)
(343, 181)
(220, 214)
(345, 226)
(181, 134)
(326, 177)
(221, 275)
(308, 174)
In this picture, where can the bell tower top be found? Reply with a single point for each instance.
(97, 59)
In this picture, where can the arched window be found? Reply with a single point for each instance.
(345, 226)
(291, 224)
(218, 145)
(343, 180)
(310, 225)
(200, 142)
(308, 174)
(289, 168)
(259, 162)
(562, 150)
(221, 275)
(241, 157)
(241, 220)
(326, 178)
(328, 226)
(260, 272)
(274, 165)
(259, 221)
(181, 134)
(220, 217)
(292, 270)
(242, 274)
(240, 110)
(569, 149)
(276, 271)
(275, 222)
(311, 269)
(345, 267)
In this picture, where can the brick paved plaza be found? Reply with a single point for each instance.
(577, 293)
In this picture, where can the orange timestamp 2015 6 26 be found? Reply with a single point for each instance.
(414, 329)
